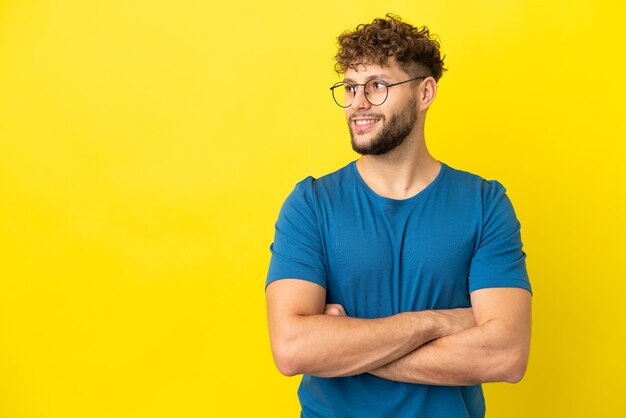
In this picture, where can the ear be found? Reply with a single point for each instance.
(428, 91)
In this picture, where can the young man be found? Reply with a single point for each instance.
(397, 284)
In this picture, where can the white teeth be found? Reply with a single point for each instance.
(365, 121)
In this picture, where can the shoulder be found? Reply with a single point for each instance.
(309, 191)
(466, 180)
(310, 188)
(476, 196)
(474, 186)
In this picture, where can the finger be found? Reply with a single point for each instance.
(332, 311)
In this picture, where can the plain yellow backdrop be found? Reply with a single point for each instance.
(146, 148)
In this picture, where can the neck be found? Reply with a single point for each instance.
(403, 172)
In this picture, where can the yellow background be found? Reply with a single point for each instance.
(146, 148)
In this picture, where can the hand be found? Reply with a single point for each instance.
(334, 309)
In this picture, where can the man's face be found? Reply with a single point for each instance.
(376, 130)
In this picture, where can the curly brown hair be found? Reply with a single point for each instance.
(375, 42)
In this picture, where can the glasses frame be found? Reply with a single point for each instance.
(342, 83)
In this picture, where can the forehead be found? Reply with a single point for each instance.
(364, 71)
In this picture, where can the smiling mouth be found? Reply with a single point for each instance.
(364, 124)
(361, 122)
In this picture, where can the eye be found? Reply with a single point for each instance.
(349, 88)
(379, 85)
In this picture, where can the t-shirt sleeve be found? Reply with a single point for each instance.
(297, 250)
(499, 260)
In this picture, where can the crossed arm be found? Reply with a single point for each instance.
(489, 342)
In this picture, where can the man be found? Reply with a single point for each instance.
(397, 284)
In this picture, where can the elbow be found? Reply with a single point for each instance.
(287, 368)
(291, 360)
(286, 359)
(517, 363)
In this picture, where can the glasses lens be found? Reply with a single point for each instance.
(342, 93)
(376, 92)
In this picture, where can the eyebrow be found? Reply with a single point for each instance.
(371, 77)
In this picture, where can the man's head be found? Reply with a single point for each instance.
(387, 52)
(414, 49)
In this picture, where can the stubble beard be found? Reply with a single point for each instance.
(393, 133)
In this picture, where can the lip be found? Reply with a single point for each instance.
(362, 128)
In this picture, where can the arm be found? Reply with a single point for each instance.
(304, 340)
(494, 350)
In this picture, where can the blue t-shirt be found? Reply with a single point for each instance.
(378, 256)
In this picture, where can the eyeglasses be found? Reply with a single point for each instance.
(376, 91)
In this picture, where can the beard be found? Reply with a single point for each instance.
(392, 134)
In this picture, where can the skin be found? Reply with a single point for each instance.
(489, 342)
(392, 134)
(409, 168)
(495, 350)
(307, 337)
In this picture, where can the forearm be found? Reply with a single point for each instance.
(475, 355)
(330, 346)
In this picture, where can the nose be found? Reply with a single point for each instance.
(360, 102)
